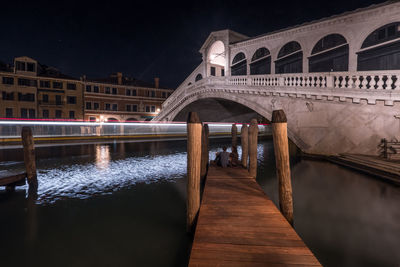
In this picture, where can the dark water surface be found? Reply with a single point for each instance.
(124, 204)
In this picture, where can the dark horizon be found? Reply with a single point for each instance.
(142, 40)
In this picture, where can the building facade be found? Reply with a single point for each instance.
(119, 98)
(30, 90)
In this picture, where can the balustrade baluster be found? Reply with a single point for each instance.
(323, 82)
(380, 82)
(357, 81)
(364, 83)
(389, 82)
(397, 83)
(336, 82)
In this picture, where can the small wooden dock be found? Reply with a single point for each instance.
(238, 225)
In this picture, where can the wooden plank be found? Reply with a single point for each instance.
(18, 179)
(239, 225)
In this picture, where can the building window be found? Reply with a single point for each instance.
(27, 113)
(153, 93)
(95, 89)
(212, 70)
(45, 98)
(71, 86)
(147, 108)
(96, 106)
(30, 67)
(26, 97)
(8, 96)
(71, 99)
(222, 72)
(45, 114)
(92, 118)
(45, 84)
(57, 85)
(164, 95)
(134, 92)
(88, 88)
(114, 107)
(128, 108)
(128, 92)
(8, 80)
(88, 105)
(134, 108)
(107, 91)
(58, 100)
(9, 112)
(114, 91)
(108, 106)
(58, 114)
(153, 108)
(26, 82)
(19, 65)
(72, 114)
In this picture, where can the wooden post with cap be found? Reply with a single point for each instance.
(29, 157)
(281, 148)
(194, 133)
(244, 139)
(253, 140)
(234, 135)
(204, 150)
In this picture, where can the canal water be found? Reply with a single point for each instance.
(123, 204)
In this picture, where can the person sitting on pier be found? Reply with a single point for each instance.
(222, 158)
(234, 157)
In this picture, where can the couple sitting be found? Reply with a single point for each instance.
(225, 158)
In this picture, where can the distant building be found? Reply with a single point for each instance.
(30, 90)
(120, 98)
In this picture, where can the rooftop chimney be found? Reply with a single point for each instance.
(156, 82)
(119, 77)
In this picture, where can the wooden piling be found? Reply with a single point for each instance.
(281, 148)
(244, 139)
(194, 134)
(204, 150)
(234, 135)
(253, 141)
(29, 156)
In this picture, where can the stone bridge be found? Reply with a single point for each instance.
(337, 79)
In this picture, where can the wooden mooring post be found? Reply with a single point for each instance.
(281, 148)
(204, 150)
(234, 135)
(244, 139)
(29, 157)
(253, 140)
(194, 148)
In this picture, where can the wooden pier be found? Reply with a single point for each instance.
(238, 225)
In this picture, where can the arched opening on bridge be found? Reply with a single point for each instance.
(239, 65)
(112, 120)
(131, 119)
(218, 110)
(216, 59)
(261, 62)
(381, 49)
(290, 59)
(189, 84)
(198, 77)
(331, 53)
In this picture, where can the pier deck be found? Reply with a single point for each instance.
(239, 225)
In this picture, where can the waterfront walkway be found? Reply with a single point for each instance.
(239, 225)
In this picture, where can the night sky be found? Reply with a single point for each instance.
(142, 39)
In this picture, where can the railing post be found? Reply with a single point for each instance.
(204, 150)
(29, 157)
(329, 81)
(244, 139)
(281, 148)
(234, 135)
(194, 130)
(253, 140)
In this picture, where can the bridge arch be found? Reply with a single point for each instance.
(261, 62)
(239, 64)
(330, 53)
(290, 58)
(244, 99)
(380, 49)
